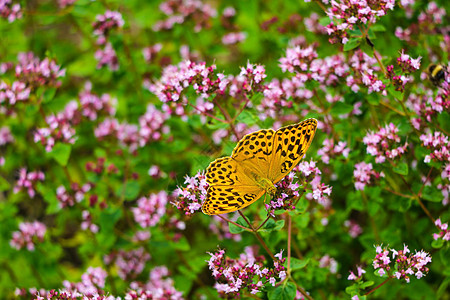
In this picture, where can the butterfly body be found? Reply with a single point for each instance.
(258, 162)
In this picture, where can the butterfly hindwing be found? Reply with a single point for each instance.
(222, 199)
(290, 144)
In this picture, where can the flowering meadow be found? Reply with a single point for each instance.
(111, 112)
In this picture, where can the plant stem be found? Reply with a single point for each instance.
(378, 286)
(261, 241)
(289, 246)
(232, 222)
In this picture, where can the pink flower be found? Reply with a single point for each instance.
(364, 175)
(385, 144)
(28, 181)
(150, 209)
(28, 236)
(233, 38)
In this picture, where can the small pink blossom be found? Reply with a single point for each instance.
(30, 233)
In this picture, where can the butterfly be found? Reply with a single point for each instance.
(259, 161)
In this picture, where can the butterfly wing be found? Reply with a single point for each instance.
(254, 152)
(289, 145)
(230, 189)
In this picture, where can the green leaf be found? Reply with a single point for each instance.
(297, 264)
(324, 21)
(373, 99)
(377, 27)
(31, 110)
(401, 168)
(437, 243)
(352, 44)
(182, 244)
(4, 184)
(429, 193)
(397, 94)
(49, 196)
(283, 292)
(366, 284)
(49, 94)
(341, 108)
(130, 190)
(61, 153)
(236, 229)
(271, 225)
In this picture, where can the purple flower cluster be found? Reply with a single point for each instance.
(190, 198)
(35, 73)
(248, 272)
(87, 224)
(106, 55)
(330, 150)
(385, 144)
(5, 138)
(285, 196)
(428, 105)
(105, 23)
(205, 82)
(10, 11)
(152, 125)
(365, 175)
(93, 105)
(27, 181)
(159, 286)
(320, 191)
(65, 3)
(401, 266)
(364, 69)
(74, 195)
(11, 94)
(439, 144)
(179, 11)
(150, 209)
(59, 130)
(28, 235)
(233, 38)
(150, 52)
(328, 262)
(360, 272)
(92, 282)
(345, 14)
(444, 233)
(354, 229)
(129, 264)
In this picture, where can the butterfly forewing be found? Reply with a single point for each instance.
(290, 144)
(222, 199)
(254, 151)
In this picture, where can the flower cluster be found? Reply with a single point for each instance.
(329, 150)
(428, 105)
(364, 175)
(160, 286)
(35, 73)
(5, 136)
(105, 23)
(127, 134)
(10, 11)
(285, 196)
(233, 38)
(401, 265)
(329, 263)
(151, 125)
(297, 59)
(385, 144)
(150, 52)
(150, 209)
(87, 224)
(247, 272)
(65, 3)
(74, 195)
(178, 11)
(28, 236)
(363, 66)
(92, 282)
(407, 64)
(345, 14)
(444, 233)
(27, 181)
(129, 263)
(360, 272)
(354, 229)
(439, 144)
(189, 199)
(106, 55)
(59, 130)
(311, 174)
(10, 95)
(93, 105)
